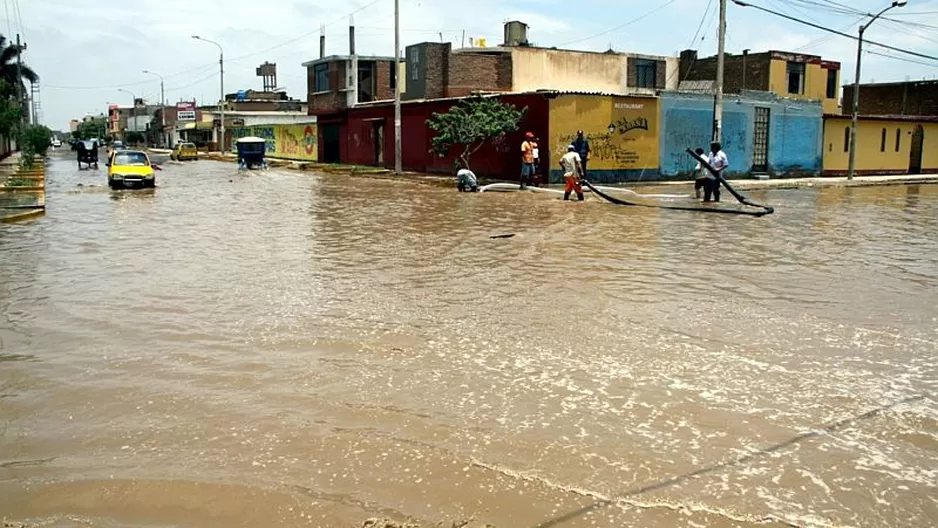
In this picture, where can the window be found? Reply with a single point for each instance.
(795, 72)
(645, 73)
(882, 142)
(898, 138)
(831, 84)
(415, 62)
(846, 139)
(392, 81)
(321, 75)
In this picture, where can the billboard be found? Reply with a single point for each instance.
(185, 111)
(114, 112)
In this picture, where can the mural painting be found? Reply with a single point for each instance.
(293, 142)
(622, 131)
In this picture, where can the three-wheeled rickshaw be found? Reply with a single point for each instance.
(88, 153)
(251, 153)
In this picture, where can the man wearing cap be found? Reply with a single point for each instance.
(572, 171)
(528, 147)
(582, 147)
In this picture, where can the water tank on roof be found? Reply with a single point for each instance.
(516, 33)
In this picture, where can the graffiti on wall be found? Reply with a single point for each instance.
(621, 131)
(295, 142)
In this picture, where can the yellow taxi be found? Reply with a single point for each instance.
(184, 151)
(130, 168)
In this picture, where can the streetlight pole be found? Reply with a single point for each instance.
(162, 108)
(221, 104)
(398, 165)
(133, 109)
(851, 164)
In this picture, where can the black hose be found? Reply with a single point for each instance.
(701, 208)
(742, 199)
(762, 210)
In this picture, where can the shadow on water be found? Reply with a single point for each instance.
(827, 429)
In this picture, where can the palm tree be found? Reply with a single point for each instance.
(10, 70)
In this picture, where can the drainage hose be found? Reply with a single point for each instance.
(759, 209)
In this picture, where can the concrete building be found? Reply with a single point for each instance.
(332, 88)
(435, 70)
(887, 144)
(762, 133)
(916, 98)
(790, 75)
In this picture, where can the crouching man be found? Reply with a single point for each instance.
(466, 180)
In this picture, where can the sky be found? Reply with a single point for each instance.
(87, 51)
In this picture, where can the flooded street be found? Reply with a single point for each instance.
(287, 349)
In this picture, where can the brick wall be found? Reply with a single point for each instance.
(436, 68)
(383, 85)
(756, 71)
(469, 72)
(333, 100)
(912, 98)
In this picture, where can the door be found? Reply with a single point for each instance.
(915, 151)
(760, 142)
(379, 143)
(330, 143)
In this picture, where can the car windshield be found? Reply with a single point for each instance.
(188, 145)
(130, 158)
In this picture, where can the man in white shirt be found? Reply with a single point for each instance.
(719, 162)
(572, 170)
(465, 179)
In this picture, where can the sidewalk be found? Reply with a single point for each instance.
(827, 181)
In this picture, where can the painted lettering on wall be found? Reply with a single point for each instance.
(624, 125)
(298, 142)
(603, 147)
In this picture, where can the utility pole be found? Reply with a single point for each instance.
(222, 102)
(397, 89)
(718, 97)
(851, 163)
(19, 76)
(163, 141)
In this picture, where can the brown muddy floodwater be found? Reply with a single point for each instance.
(284, 349)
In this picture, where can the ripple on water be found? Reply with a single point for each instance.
(365, 341)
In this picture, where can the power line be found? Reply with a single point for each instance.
(841, 33)
(634, 20)
(693, 40)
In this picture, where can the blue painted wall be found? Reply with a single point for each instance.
(795, 132)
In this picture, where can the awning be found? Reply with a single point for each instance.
(201, 125)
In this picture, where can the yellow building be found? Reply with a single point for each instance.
(622, 131)
(885, 145)
(786, 74)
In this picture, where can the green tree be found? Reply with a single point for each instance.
(10, 112)
(11, 70)
(135, 138)
(471, 123)
(36, 139)
(93, 128)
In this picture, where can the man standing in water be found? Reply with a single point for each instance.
(719, 162)
(582, 147)
(572, 171)
(528, 148)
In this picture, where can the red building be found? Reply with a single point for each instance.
(364, 135)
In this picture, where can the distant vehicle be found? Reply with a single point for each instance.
(251, 152)
(56, 142)
(87, 153)
(115, 145)
(184, 151)
(130, 168)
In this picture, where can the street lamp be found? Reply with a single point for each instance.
(162, 108)
(221, 105)
(133, 109)
(856, 88)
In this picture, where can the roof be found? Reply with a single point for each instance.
(888, 117)
(501, 94)
(926, 82)
(334, 58)
(251, 139)
(509, 49)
